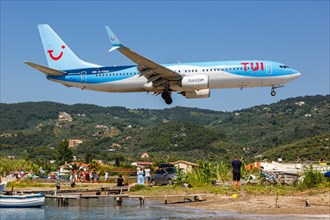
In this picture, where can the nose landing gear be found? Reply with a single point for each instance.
(273, 93)
(167, 97)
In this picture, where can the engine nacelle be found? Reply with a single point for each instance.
(195, 82)
(203, 93)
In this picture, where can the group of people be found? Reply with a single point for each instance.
(143, 177)
(22, 174)
(143, 173)
(83, 176)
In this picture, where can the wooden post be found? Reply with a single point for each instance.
(165, 199)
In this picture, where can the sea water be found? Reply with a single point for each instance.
(106, 208)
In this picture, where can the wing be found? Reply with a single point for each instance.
(157, 74)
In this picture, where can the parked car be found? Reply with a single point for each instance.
(165, 165)
(164, 176)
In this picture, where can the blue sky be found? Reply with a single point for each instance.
(292, 32)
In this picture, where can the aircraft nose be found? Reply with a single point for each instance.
(296, 75)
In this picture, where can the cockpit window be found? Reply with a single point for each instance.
(284, 67)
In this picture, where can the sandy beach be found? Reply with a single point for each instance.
(266, 204)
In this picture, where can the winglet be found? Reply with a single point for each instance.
(114, 39)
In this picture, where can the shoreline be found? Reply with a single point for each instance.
(244, 203)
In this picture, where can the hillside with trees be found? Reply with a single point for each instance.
(34, 129)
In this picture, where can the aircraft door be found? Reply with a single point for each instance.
(269, 68)
(83, 76)
(183, 72)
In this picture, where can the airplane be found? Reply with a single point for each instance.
(192, 80)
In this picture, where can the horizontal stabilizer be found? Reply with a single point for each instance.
(45, 70)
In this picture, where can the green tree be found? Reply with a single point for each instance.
(94, 165)
(64, 153)
(88, 158)
(117, 162)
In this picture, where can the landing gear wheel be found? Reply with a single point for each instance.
(273, 93)
(167, 97)
(168, 100)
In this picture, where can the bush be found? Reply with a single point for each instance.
(312, 178)
(7, 166)
(207, 172)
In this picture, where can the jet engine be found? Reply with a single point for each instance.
(203, 93)
(195, 82)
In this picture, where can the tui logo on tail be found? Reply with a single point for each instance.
(52, 56)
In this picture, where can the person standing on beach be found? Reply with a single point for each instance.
(236, 163)
(140, 177)
(147, 174)
(106, 176)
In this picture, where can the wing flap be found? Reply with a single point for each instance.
(148, 64)
(157, 74)
(46, 70)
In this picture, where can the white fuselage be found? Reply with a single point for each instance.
(230, 74)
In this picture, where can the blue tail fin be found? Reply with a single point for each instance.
(59, 55)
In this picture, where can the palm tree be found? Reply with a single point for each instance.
(94, 165)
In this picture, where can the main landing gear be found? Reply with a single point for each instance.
(166, 95)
